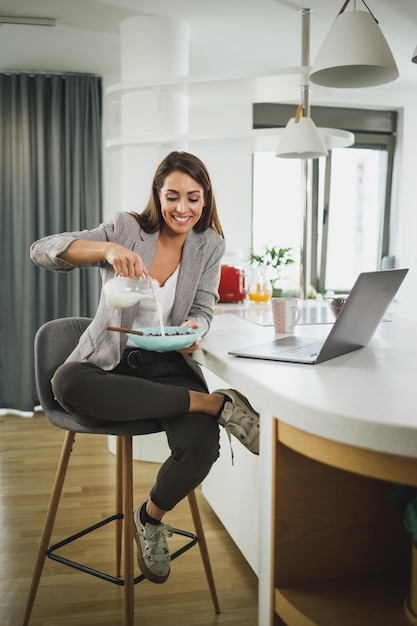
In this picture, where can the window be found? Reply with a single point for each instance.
(277, 208)
(349, 192)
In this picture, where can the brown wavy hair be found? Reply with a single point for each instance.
(151, 218)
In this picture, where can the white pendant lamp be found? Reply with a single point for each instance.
(414, 57)
(336, 137)
(332, 137)
(301, 138)
(355, 53)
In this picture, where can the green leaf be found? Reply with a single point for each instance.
(273, 257)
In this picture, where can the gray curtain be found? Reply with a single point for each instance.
(50, 181)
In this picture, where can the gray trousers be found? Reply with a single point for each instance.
(147, 385)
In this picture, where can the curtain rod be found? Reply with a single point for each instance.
(46, 73)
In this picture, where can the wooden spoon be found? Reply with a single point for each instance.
(125, 330)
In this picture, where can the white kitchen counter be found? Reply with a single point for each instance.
(356, 413)
(353, 399)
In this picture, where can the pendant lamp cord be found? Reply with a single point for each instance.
(300, 112)
(347, 2)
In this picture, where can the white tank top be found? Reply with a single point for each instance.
(147, 316)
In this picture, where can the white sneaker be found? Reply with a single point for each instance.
(152, 553)
(240, 419)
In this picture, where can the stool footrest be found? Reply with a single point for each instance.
(51, 551)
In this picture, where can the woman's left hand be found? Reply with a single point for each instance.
(190, 324)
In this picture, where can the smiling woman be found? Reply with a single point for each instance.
(181, 200)
(106, 377)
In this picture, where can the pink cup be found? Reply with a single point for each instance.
(286, 313)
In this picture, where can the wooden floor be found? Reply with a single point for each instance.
(29, 451)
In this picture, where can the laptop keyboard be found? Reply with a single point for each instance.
(311, 349)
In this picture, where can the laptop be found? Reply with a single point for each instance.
(354, 327)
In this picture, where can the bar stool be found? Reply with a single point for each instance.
(54, 341)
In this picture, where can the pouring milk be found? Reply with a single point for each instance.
(123, 292)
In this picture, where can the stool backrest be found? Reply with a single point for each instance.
(54, 341)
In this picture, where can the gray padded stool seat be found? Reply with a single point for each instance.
(54, 341)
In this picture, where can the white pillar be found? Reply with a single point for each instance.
(152, 49)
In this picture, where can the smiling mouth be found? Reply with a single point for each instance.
(181, 220)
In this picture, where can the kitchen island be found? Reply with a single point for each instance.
(334, 437)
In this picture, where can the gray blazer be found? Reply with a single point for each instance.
(196, 293)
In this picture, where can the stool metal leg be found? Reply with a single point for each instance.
(128, 530)
(49, 522)
(202, 544)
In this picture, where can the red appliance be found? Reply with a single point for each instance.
(231, 286)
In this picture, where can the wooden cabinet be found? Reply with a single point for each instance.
(341, 554)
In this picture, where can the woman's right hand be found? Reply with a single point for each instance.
(125, 262)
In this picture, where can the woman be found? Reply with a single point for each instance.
(178, 241)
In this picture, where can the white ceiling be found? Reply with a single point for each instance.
(236, 37)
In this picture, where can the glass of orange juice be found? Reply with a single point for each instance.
(260, 289)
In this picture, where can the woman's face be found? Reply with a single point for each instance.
(182, 202)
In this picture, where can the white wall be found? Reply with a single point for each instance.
(225, 110)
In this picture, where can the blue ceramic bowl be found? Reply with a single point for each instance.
(176, 337)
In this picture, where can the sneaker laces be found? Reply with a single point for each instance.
(233, 428)
(155, 541)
